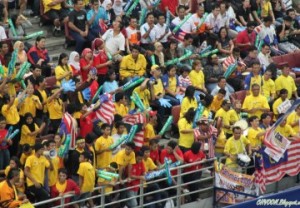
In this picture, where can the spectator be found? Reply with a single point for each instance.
(163, 30)
(29, 131)
(4, 53)
(255, 133)
(86, 63)
(22, 56)
(149, 31)
(225, 44)
(4, 153)
(254, 76)
(283, 93)
(150, 129)
(171, 84)
(64, 186)
(264, 56)
(285, 81)
(251, 58)
(293, 119)
(214, 19)
(103, 152)
(133, 34)
(35, 168)
(115, 41)
(63, 71)
(186, 131)
(55, 10)
(223, 113)
(189, 101)
(246, 38)
(38, 55)
(187, 28)
(125, 158)
(222, 84)
(74, 63)
(244, 13)
(79, 28)
(218, 100)
(212, 71)
(94, 16)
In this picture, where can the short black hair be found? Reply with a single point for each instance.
(119, 96)
(268, 19)
(136, 47)
(104, 126)
(252, 118)
(130, 144)
(86, 155)
(38, 146)
(172, 144)
(287, 18)
(222, 91)
(12, 173)
(62, 170)
(188, 36)
(283, 91)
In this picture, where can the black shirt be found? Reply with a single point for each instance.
(244, 13)
(78, 18)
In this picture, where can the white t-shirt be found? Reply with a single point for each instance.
(161, 30)
(114, 43)
(187, 27)
(2, 33)
(214, 22)
(152, 36)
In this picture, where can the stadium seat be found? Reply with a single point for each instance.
(240, 95)
(176, 113)
(50, 82)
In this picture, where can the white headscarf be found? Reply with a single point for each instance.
(72, 61)
(105, 2)
(118, 9)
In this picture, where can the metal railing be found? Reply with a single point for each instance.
(99, 192)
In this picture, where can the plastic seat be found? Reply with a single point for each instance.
(69, 39)
(239, 95)
(50, 82)
(44, 19)
(176, 113)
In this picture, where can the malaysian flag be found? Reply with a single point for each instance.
(138, 118)
(67, 126)
(105, 112)
(179, 35)
(269, 171)
(232, 60)
(211, 141)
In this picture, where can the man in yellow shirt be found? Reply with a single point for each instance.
(35, 168)
(197, 76)
(223, 113)
(54, 11)
(282, 98)
(133, 64)
(125, 158)
(255, 133)
(217, 101)
(87, 177)
(53, 174)
(254, 76)
(149, 128)
(255, 104)
(268, 86)
(237, 144)
(102, 144)
(120, 104)
(287, 82)
(144, 93)
(286, 130)
(294, 120)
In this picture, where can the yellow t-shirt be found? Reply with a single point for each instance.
(144, 95)
(216, 104)
(105, 158)
(149, 164)
(186, 105)
(24, 157)
(11, 115)
(25, 137)
(121, 109)
(172, 84)
(60, 71)
(268, 88)
(123, 159)
(88, 173)
(158, 88)
(252, 137)
(235, 147)
(53, 174)
(22, 176)
(55, 109)
(185, 140)
(37, 167)
(221, 141)
(108, 189)
(61, 187)
(255, 80)
(288, 83)
(149, 133)
(266, 8)
(277, 103)
(197, 78)
(29, 105)
(45, 98)
(225, 118)
(286, 131)
(47, 8)
(233, 116)
(251, 102)
(292, 118)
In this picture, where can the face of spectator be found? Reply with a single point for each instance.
(169, 149)
(96, 5)
(57, 139)
(2, 124)
(29, 120)
(268, 24)
(159, 48)
(287, 24)
(133, 23)
(223, 8)
(250, 29)
(255, 123)
(135, 53)
(222, 83)
(172, 72)
(121, 129)
(161, 19)
(81, 144)
(220, 96)
(198, 66)
(40, 151)
(181, 13)
(150, 19)
(12, 164)
(79, 5)
(267, 75)
(214, 59)
(4, 48)
(256, 68)
(267, 120)
(188, 41)
(266, 50)
(52, 146)
(237, 134)
(298, 110)
(157, 73)
(128, 150)
(226, 107)
(62, 177)
(154, 146)
(147, 153)
(223, 33)
(283, 123)
(21, 47)
(216, 11)
(255, 90)
(41, 44)
(200, 11)
(173, 46)
(286, 71)
(292, 14)
(64, 61)
(106, 131)
(284, 96)
(139, 159)
(116, 25)
(246, 3)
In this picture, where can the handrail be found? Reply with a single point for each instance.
(141, 196)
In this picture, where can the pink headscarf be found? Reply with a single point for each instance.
(86, 51)
(96, 44)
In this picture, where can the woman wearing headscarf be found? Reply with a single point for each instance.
(100, 59)
(109, 12)
(22, 56)
(86, 63)
(29, 130)
(118, 7)
(74, 63)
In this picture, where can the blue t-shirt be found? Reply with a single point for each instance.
(100, 15)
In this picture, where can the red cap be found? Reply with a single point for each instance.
(152, 113)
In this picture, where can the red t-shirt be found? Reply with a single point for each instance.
(101, 58)
(86, 124)
(243, 37)
(154, 155)
(137, 169)
(84, 73)
(190, 157)
(164, 154)
(171, 4)
(3, 144)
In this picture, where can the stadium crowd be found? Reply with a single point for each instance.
(183, 49)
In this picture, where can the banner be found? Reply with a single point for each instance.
(289, 198)
(232, 181)
(280, 142)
